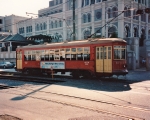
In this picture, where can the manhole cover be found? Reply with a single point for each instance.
(8, 117)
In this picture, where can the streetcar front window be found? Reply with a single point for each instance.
(119, 52)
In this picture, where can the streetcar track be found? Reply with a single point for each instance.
(83, 107)
(105, 102)
(92, 100)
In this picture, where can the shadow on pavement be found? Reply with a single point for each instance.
(30, 93)
(113, 84)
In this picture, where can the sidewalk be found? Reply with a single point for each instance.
(141, 69)
(140, 74)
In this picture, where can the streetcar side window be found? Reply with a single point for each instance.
(86, 53)
(29, 55)
(68, 54)
(73, 54)
(33, 55)
(80, 53)
(123, 54)
(119, 52)
(62, 54)
(26, 55)
(37, 55)
(57, 56)
(42, 55)
(46, 54)
(51, 54)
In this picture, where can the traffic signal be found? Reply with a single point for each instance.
(139, 12)
(147, 10)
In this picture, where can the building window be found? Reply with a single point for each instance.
(60, 23)
(41, 26)
(84, 18)
(98, 15)
(149, 18)
(21, 30)
(82, 3)
(51, 3)
(52, 26)
(135, 32)
(127, 31)
(114, 12)
(127, 12)
(27, 29)
(111, 31)
(98, 1)
(70, 4)
(1, 21)
(143, 17)
(44, 26)
(37, 27)
(148, 33)
(56, 2)
(135, 16)
(86, 2)
(142, 37)
(89, 17)
(30, 28)
(60, 1)
(86, 34)
(92, 1)
(55, 24)
(109, 13)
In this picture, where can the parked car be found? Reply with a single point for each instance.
(14, 64)
(6, 65)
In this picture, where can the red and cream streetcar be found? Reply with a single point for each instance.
(92, 57)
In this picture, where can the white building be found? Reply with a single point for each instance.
(7, 28)
(8, 24)
(91, 15)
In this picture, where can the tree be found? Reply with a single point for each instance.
(114, 35)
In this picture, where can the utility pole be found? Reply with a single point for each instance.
(74, 35)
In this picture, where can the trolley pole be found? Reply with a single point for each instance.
(74, 36)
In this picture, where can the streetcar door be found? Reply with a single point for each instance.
(19, 59)
(104, 59)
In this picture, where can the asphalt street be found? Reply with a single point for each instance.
(98, 99)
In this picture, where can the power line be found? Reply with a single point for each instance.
(106, 24)
(62, 18)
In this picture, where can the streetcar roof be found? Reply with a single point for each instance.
(75, 43)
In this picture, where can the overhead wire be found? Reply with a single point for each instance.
(68, 17)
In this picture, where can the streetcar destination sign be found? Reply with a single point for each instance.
(52, 65)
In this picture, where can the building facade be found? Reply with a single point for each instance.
(105, 17)
(90, 16)
(8, 28)
(8, 24)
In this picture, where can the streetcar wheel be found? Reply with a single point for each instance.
(87, 74)
(75, 74)
(26, 71)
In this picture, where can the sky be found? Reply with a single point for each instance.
(20, 7)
